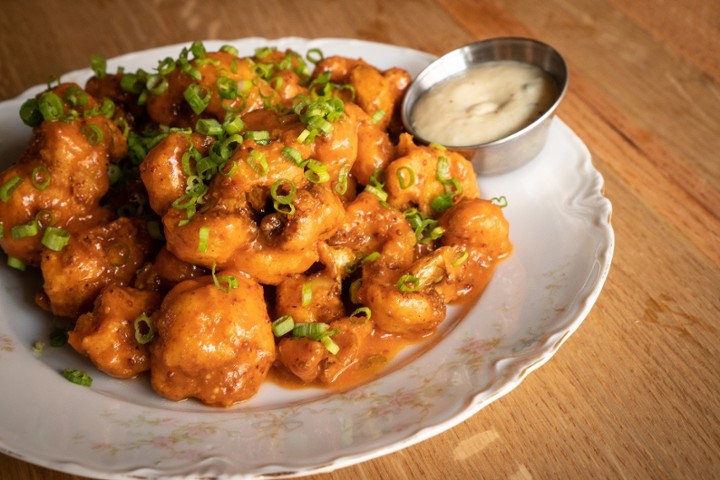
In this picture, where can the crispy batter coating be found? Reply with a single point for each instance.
(212, 344)
(107, 334)
(419, 188)
(310, 361)
(98, 256)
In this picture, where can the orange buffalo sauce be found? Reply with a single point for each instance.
(379, 350)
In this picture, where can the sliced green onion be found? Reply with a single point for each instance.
(55, 238)
(229, 145)
(500, 201)
(379, 193)
(132, 83)
(115, 173)
(165, 66)
(280, 200)
(75, 97)
(16, 263)
(94, 134)
(157, 84)
(144, 330)
(209, 126)
(442, 173)
(77, 376)
(330, 344)
(341, 185)
(460, 258)
(354, 289)
(29, 229)
(40, 177)
(203, 237)
(426, 229)
(258, 163)
(320, 125)
(292, 154)
(311, 330)
(437, 146)
(377, 116)
(51, 106)
(197, 48)
(107, 109)
(442, 202)
(224, 282)
(8, 187)
(262, 137)
(197, 98)
(283, 325)
(314, 55)
(377, 179)
(361, 311)
(30, 113)
(316, 172)
(263, 52)
(304, 136)
(405, 176)
(227, 88)
(370, 258)
(190, 71)
(408, 283)
(98, 65)
(454, 186)
(306, 293)
(229, 49)
(38, 347)
(233, 124)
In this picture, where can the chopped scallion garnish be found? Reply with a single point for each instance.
(144, 330)
(51, 106)
(283, 325)
(203, 237)
(197, 97)
(30, 113)
(8, 187)
(408, 283)
(55, 238)
(77, 376)
(306, 294)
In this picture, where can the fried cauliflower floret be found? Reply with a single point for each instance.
(93, 258)
(214, 344)
(310, 298)
(413, 179)
(310, 361)
(162, 170)
(378, 93)
(415, 311)
(107, 334)
(206, 76)
(369, 228)
(480, 234)
(61, 177)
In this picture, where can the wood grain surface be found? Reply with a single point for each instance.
(633, 394)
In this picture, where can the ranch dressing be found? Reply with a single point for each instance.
(485, 103)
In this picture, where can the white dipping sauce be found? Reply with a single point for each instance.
(485, 103)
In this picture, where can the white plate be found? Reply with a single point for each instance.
(560, 227)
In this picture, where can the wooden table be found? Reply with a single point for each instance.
(634, 392)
